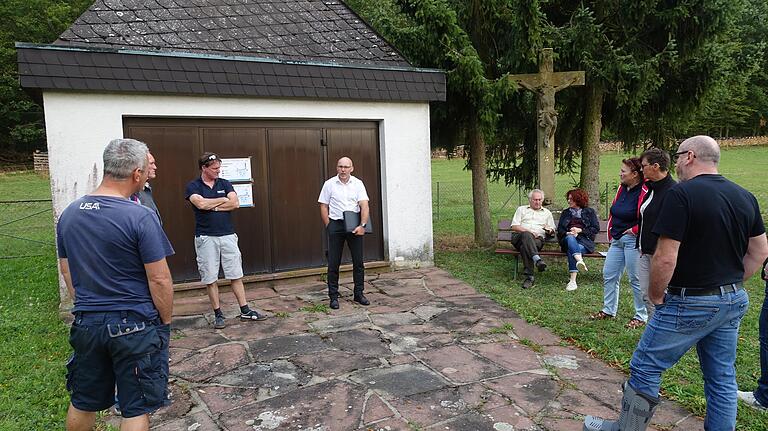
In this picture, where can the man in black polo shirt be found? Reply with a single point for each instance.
(711, 238)
(213, 199)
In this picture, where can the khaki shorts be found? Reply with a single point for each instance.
(213, 251)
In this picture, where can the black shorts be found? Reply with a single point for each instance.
(123, 349)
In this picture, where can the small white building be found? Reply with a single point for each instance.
(293, 85)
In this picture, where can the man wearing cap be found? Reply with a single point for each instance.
(213, 199)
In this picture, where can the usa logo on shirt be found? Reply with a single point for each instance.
(89, 206)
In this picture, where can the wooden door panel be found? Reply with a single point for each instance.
(175, 150)
(251, 223)
(295, 164)
(361, 145)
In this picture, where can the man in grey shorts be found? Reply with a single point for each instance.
(212, 200)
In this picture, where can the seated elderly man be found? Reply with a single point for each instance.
(530, 226)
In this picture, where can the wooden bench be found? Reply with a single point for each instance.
(551, 247)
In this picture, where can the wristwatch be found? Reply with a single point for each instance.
(363, 225)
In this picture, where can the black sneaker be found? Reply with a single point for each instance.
(252, 315)
(361, 299)
(219, 322)
(528, 283)
(541, 265)
(334, 303)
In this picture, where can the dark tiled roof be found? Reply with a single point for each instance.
(324, 31)
(52, 67)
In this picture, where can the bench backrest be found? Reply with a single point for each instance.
(505, 232)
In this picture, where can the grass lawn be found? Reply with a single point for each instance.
(565, 313)
(34, 347)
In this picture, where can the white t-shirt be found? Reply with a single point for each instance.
(342, 197)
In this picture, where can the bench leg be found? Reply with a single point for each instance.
(514, 275)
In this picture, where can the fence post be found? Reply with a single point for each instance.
(438, 201)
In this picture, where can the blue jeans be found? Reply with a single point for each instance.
(761, 393)
(712, 324)
(574, 247)
(622, 254)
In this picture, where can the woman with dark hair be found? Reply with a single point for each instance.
(622, 253)
(576, 232)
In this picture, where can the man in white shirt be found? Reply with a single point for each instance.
(530, 226)
(344, 193)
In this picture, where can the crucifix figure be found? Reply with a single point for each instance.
(545, 84)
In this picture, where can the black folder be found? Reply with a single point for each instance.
(352, 220)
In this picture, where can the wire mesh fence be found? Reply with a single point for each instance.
(452, 206)
(26, 228)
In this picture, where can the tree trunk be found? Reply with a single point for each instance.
(483, 231)
(590, 147)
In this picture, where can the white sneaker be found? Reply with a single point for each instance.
(581, 266)
(750, 400)
(571, 286)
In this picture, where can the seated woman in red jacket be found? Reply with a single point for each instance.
(576, 232)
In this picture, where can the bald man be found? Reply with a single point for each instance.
(339, 194)
(711, 239)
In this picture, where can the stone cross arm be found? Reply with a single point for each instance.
(557, 80)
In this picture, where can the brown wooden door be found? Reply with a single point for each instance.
(289, 164)
(296, 167)
(251, 223)
(176, 150)
(361, 144)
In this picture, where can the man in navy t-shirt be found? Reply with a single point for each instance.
(112, 256)
(711, 238)
(213, 199)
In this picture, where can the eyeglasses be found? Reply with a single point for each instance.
(643, 166)
(680, 153)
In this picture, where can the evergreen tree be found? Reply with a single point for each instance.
(651, 66)
(477, 43)
(36, 21)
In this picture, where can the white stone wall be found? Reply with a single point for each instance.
(79, 125)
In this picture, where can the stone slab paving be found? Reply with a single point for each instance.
(430, 353)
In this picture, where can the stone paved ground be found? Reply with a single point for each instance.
(428, 354)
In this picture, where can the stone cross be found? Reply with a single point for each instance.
(545, 84)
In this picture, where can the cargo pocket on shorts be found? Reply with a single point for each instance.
(71, 374)
(151, 381)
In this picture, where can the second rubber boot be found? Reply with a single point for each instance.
(636, 412)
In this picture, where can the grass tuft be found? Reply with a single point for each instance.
(316, 308)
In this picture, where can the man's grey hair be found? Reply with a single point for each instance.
(704, 147)
(123, 156)
(530, 194)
